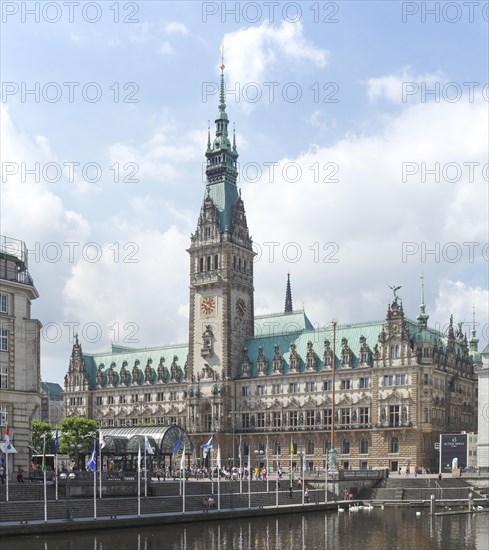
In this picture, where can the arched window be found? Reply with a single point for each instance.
(394, 445)
(346, 446)
(327, 446)
(364, 446)
(310, 447)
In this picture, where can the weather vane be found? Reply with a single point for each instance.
(222, 57)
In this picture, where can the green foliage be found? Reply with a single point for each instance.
(38, 430)
(77, 436)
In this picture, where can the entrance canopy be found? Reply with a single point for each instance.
(163, 439)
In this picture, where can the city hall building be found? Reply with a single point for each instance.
(380, 393)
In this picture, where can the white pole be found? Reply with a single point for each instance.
(101, 464)
(303, 484)
(6, 474)
(145, 472)
(326, 480)
(45, 494)
(183, 482)
(139, 479)
(249, 479)
(56, 475)
(95, 490)
(267, 467)
(218, 489)
(276, 481)
(240, 466)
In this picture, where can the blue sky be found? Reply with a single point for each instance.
(348, 206)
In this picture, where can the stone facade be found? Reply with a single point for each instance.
(382, 391)
(20, 374)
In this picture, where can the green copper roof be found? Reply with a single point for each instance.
(119, 355)
(225, 196)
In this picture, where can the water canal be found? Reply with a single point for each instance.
(379, 529)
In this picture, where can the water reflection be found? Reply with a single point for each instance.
(388, 529)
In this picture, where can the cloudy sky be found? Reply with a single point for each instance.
(362, 129)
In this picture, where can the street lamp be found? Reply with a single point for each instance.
(68, 478)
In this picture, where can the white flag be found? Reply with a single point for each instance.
(101, 440)
(218, 458)
(150, 450)
(182, 459)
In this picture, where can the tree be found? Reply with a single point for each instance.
(39, 429)
(77, 435)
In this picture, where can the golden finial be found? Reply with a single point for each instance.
(222, 57)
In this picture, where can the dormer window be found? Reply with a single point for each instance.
(207, 232)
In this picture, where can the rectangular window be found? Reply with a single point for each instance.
(400, 379)
(327, 385)
(394, 415)
(277, 419)
(3, 415)
(134, 421)
(98, 400)
(79, 400)
(310, 387)
(4, 376)
(389, 380)
(3, 303)
(3, 339)
(276, 389)
(173, 396)
(293, 418)
(261, 390)
(122, 422)
(327, 417)
(293, 387)
(310, 418)
(345, 384)
(363, 357)
(134, 398)
(364, 415)
(345, 415)
(245, 391)
(245, 420)
(260, 420)
(147, 397)
(160, 396)
(364, 383)
(110, 400)
(208, 263)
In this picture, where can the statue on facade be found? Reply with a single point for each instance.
(394, 289)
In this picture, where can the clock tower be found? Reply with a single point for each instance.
(221, 283)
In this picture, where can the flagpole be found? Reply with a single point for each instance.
(100, 439)
(268, 472)
(276, 480)
(6, 473)
(95, 486)
(218, 465)
(240, 466)
(249, 479)
(45, 482)
(303, 484)
(139, 479)
(56, 465)
(326, 479)
(182, 473)
(145, 472)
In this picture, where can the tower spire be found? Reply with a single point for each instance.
(423, 317)
(474, 341)
(288, 297)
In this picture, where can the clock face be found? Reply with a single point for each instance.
(240, 307)
(207, 305)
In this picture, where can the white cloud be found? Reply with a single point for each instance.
(175, 27)
(252, 54)
(391, 86)
(166, 49)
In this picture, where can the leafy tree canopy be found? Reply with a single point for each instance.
(76, 436)
(38, 430)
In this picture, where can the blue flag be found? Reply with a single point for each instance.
(207, 445)
(56, 443)
(92, 463)
(176, 449)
